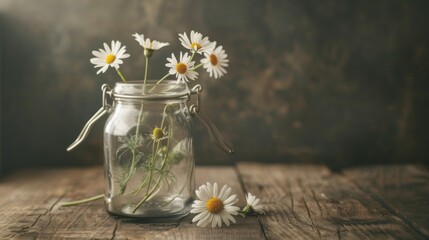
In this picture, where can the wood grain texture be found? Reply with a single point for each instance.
(301, 202)
(29, 205)
(403, 190)
(29, 209)
(310, 202)
(247, 228)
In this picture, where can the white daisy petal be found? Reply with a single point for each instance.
(103, 69)
(231, 218)
(116, 48)
(196, 43)
(232, 208)
(107, 48)
(215, 190)
(109, 56)
(201, 195)
(198, 202)
(214, 222)
(209, 220)
(219, 220)
(211, 209)
(226, 194)
(254, 203)
(97, 54)
(121, 52)
(148, 44)
(222, 191)
(95, 60)
(230, 198)
(224, 217)
(215, 61)
(258, 208)
(200, 216)
(182, 69)
(197, 208)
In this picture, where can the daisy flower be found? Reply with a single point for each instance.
(214, 206)
(149, 45)
(158, 134)
(183, 68)
(253, 205)
(109, 57)
(196, 42)
(215, 62)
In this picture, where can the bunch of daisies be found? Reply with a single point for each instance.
(214, 207)
(183, 67)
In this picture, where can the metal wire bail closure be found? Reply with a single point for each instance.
(195, 110)
(105, 108)
(215, 135)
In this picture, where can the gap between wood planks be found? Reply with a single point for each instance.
(302, 201)
(310, 202)
(243, 187)
(395, 187)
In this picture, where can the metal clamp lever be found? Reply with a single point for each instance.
(105, 108)
(211, 127)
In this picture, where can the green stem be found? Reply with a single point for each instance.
(198, 66)
(181, 190)
(133, 160)
(66, 204)
(164, 114)
(147, 196)
(154, 151)
(151, 166)
(163, 78)
(146, 70)
(120, 75)
(137, 190)
(130, 172)
(193, 54)
(137, 136)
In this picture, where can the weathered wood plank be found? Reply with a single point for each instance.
(310, 202)
(29, 209)
(247, 228)
(302, 202)
(29, 205)
(404, 190)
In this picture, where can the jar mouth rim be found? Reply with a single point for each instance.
(151, 90)
(151, 82)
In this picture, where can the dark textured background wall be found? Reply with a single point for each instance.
(336, 82)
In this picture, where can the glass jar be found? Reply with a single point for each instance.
(148, 148)
(149, 157)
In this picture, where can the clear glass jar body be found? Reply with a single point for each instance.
(149, 157)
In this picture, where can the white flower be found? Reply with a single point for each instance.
(182, 68)
(213, 206)
(215, 62)
(196, 42)
(158, 134)
(109, 56)
(253, 205)
(148, 44)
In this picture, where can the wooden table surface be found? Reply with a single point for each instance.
(301, 202)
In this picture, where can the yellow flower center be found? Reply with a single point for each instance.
(110, 58)
(213, 59)
(214, 205)
(193, 45)
(181, 68)
(157, 133)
